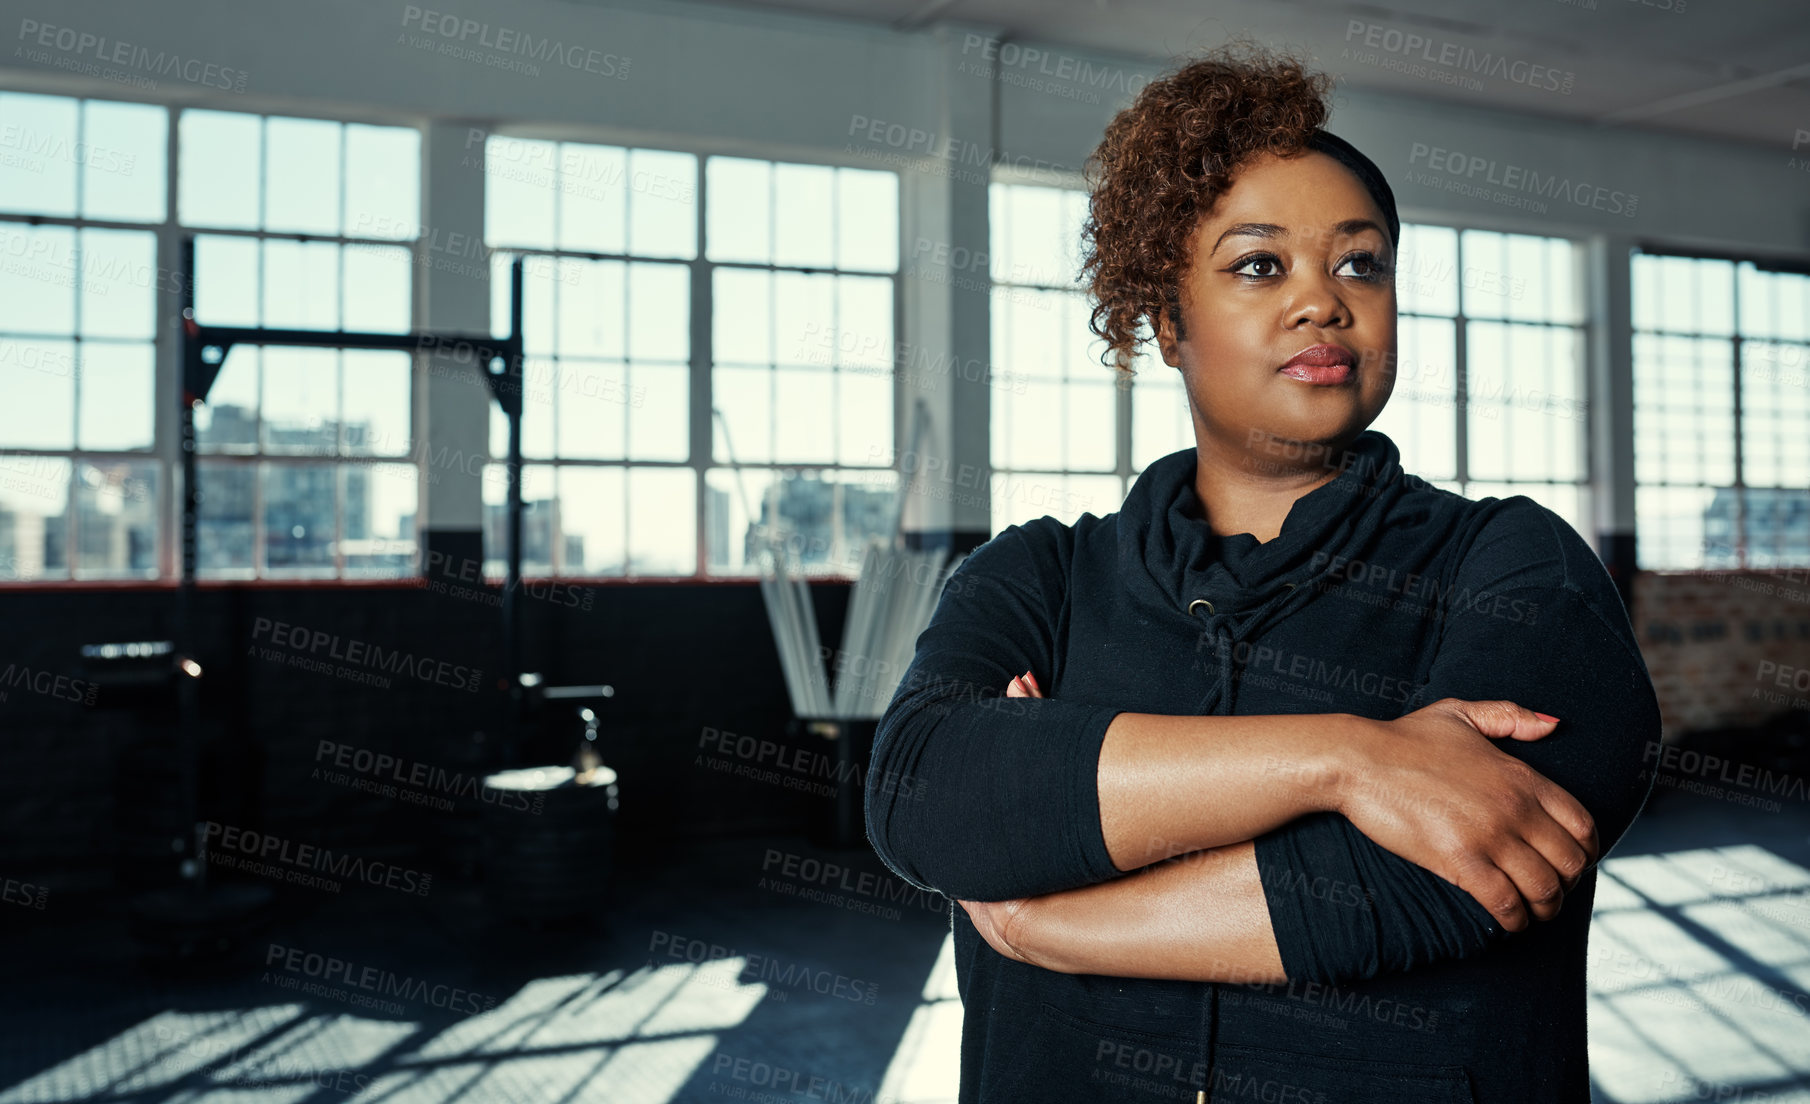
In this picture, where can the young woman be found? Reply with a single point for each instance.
(1243, 789)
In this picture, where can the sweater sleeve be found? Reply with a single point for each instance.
(971, 793)
(1533, 619)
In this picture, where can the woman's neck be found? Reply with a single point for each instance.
(1251, 491)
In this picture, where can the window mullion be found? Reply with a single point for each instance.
(166, 370)
(701, 430)
(1741, 552)
(1461, 386)
(342, 476)
(259, 554)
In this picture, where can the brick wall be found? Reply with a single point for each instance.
(1724, 648)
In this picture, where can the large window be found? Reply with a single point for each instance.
(610, 234)
(628, 472)
(1067, 438)
(1489, 396)
(1721, 413)
(802, 322)
(310, 464)
(713, 355)
(81, 188)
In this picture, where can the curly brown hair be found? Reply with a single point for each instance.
(1162, 164)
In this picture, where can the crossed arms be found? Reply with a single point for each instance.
(1091, 840)
(1429, 784)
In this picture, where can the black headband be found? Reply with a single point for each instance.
(1367, 173)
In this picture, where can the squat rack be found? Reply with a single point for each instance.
(204, 352)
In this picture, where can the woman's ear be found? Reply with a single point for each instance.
(1169, 335)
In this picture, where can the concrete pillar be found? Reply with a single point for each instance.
(452, 293)
(1611, 335)
(947, 337)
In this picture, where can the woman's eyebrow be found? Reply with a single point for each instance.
(1357, 226)
(1251, 229)
(1343, 229)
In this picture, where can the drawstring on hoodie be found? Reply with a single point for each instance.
(1225, 641)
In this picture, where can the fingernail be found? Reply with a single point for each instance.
(1030, 682)
(1544, 716)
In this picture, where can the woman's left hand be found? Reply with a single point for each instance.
(1003, 925)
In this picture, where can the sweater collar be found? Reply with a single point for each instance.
(1172, 558)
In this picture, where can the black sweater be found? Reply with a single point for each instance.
(1381, 593)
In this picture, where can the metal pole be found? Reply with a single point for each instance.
(512, 408)
(188, 713)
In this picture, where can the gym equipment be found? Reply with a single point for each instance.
(889, 606)
(191, 916)
(548, 852)
(193, 921)
(204, 352)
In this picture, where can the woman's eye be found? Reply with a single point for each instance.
(1261, 265)
(1368, 267)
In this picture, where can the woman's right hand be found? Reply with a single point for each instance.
(1432, 788)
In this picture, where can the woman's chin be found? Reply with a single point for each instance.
(1324, 427)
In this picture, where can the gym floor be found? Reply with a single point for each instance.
(725, 977)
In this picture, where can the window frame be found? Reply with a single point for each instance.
(1124, 468)
(1736, 339)
(701, 428)
(257, 458)
(1462, 480)
(156, 453)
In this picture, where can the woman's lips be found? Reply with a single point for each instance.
(1320, 364)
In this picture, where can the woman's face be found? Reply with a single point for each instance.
(1293, 258)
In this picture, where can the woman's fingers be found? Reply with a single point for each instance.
(982, 919)
(1496, 892)
(1535, 880)
(995, 921)
(1544, 862)
(1570, 815)
(1484, 819)
(1024, 686)
(1561, 852)
(1505, 719)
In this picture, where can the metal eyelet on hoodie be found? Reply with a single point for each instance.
(1199, 602)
